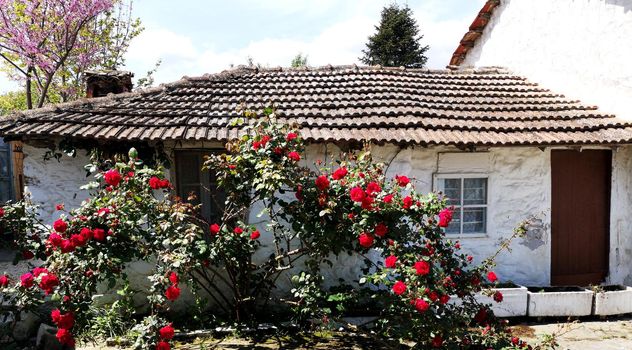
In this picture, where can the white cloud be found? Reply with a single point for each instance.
(340, 43)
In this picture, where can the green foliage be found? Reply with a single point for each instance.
(397, 41)
(299, 60)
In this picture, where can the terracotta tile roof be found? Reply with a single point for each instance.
(475, 31)
(395, 105)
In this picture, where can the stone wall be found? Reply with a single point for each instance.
(581, 48)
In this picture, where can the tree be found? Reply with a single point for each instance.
(299, 61)
(48, 44)
(397, 41)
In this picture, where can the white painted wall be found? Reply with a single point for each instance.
(519, 187)
(581, 48)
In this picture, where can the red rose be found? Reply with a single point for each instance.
(60, 226)
(373, 188)
(48, 283)
(1, 212)
(498, 297)
(444, 299)
(339, 174)
(103, 212)
(55, 315)
(294, 156)
(167, 332)
(357, 194)
(67, 246)
(399, 287)
(445, 216)
(421, 305)
(434, 296)
(255, 235)
(366, 240)
(59, 206)
(163, 345)
(172, 293)
(173, 278)
(388, 198)
(214, 228)
(27, 280)
(367, 203)
(164, 183)
(86, 233)
(154, 183)
(27, 254)
(422, 267)
(112, 177)
(291, 136)
(4, 281)
(381, 230)
(437, 341)
(491, 276)
(238, 230)
(299, 192)
(65, 337)
(264, 140)
(407, 203)
(481, 316)
(277, 150)
(39, 270)
(54, 239)
(402, 180)
(99, 234)
(78, 240)
(322, 182)
(390, 261)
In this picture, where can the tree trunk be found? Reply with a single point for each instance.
(29, 97)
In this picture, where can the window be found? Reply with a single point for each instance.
(6, 178)
(191, 179)
(468, 195)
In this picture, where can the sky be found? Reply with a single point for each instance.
(194, 37)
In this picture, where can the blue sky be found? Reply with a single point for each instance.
(193, 37)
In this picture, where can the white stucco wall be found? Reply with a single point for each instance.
(580, 48)
(518, 187)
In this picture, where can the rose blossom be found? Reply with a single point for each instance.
(373, 188)
(402, 180)
(381, 230)
(366, 240)
(339, 174)
(99, 234)
(322, 182)
(357, 194)
(173, 278)
(255, 235)
(491, 276)
(4, 281)
(238, 230)
(399, 287)
(437, 341)
(54, 239)
(214, 228)
(444, 299)
(294, 156)
(67, 246)
(39, 270)
(48, 283)
(112, 177)
(163, 345)
(445, 216)
(65, 337)
(78, 240)
(1, 212)
(422, 267)
(390, 261)
(498, 297)
(60, 226)
(167, 332)
(421, 305)
(388, 198)
(26, 280)
(407, 202)
(291, 136)
(172, 293)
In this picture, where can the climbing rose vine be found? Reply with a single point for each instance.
(422, 283)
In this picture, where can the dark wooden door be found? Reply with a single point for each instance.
(580, 216)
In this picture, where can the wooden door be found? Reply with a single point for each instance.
(580, 216)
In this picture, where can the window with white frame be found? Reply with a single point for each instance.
(468, 195)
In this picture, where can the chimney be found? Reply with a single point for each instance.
(101, 83)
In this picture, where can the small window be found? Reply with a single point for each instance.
(6, 178)
(468, 195)
(192, 180)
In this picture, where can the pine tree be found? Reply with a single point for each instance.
(397, 41)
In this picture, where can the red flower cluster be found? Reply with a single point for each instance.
(402, 180)
(173, 292)
(445, 216)
(256, 145)
(156, 183)
(498, 297)
(166, 333)
(64, 323)
(291, 136)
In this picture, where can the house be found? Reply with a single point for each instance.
(500, 146)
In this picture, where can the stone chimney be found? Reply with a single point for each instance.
(101, 83)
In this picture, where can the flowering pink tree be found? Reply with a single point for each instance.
(49, 42)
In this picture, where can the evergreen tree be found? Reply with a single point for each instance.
(397, 41)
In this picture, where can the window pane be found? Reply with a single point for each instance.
(474, 220)
(4, 162)
(474, 191)
(451, 188)
(455, 224)
(5, 190)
